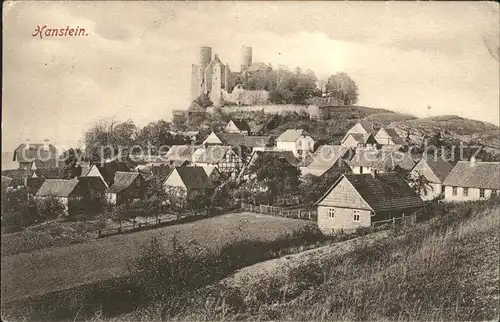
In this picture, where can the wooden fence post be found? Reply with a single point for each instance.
(393, 223)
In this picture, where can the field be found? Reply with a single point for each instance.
(442, 269)
(58, 268)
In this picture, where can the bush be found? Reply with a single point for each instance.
(50, 208)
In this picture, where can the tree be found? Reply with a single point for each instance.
(204, 101)
(50, 208)
(342, 87)
(155, 135)
(276, 177)
(109, 138)
(17, 209)
(419, 183)
(121, 213)
(69, 169)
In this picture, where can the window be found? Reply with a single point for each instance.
(355, 216)
(331, 213)
(493, 193)
(442, 189)
(361, 170)
(466, 192)
(454, 191)
(481, 193)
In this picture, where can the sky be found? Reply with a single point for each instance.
(135, 62)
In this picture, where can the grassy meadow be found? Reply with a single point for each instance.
(58, 268)
(442, 269)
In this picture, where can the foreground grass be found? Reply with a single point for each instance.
(444, 269)
(59, 268)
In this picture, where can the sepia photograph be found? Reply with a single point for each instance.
(250, 160)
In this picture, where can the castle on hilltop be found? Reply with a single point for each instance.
(215, 79)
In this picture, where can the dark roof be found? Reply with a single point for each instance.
(36, 151)
(257, 128)
(238, 139)
(93, 183)
(395, 136)
(194, 177)
(57, 187)
(109, 169)
(49, 173)
(242, 125)
(123, 180)
(285, 155)
(363, 138)
(440, 167)
(385, 160)
(382, 192)
(34, 184)
(484, 175)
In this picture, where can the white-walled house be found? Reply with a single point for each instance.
(359, 200)
(389, 136)
(359, 141)
(221, 156)
(357, 128)
(472, 180)
(435, 171)
(297, 141)
(237, 126)
(190, 181)
(379, 161)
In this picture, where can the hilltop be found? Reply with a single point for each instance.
(341, 118)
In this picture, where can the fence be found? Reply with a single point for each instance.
(291, 212)
(397, 222)
(155, 223)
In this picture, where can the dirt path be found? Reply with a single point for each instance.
(279, 266)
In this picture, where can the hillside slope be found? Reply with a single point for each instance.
(444, 269)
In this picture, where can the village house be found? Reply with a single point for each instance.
(180, 153)
(238, 140)
(108, 170)
(190, 182)
(223, 157)
(360, 200)
(356, 128)
(214, 174)
(359, 141)
(92, 171)
(237, 126)
(297, 141)
(472, 180)
(126, 187)
(257, 128)
(379, 161)
(435, 172)
(33, 156)
(6, 181)
(66, 191)
(389, 136)
(195, 110)
(326, 157)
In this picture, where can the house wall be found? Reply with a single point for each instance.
(174, 180)
(343, 219)
(345, 200)
(360, 170)
(473, 194)
(212, 139)
(111, 198)
(301, 144)
(232, 128)
(384, 138)
(350, 142)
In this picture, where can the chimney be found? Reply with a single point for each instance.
(46, 145)
(472, 161)
(27, 144)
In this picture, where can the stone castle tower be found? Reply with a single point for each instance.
(214, 78)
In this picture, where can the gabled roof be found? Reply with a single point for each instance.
(484, 175)
(291, 135)
(439, 167)
(210, 169)
(180, 153)
(395, 136)
(256, 128)
(382, 192)
(123, 180)
(324, 158)
(242, 125)
(362, 138)
(389, 161)
(195, 107)
(238, 139)
(211, 154)
(194, 177)
(108, 170)
(57, 187)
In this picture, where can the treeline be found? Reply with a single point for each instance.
(296, 87)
